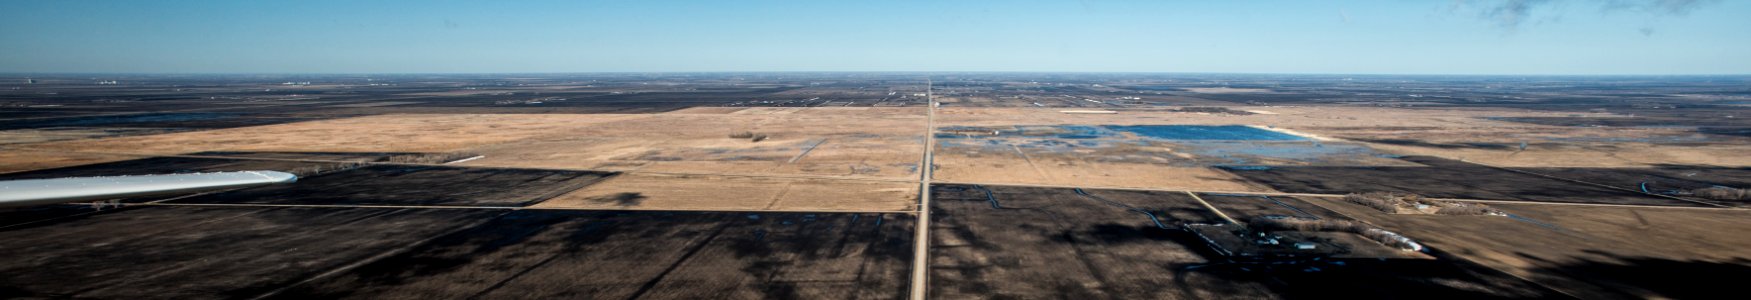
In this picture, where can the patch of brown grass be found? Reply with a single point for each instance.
(1722, 193)
(1395, 203)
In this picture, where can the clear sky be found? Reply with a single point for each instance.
(1394, 37)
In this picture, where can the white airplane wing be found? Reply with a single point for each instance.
(61, 190)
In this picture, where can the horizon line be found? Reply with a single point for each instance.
(15, 73)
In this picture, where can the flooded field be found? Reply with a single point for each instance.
(1177, 145)
(1207, 132)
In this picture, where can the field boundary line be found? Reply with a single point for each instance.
(811, 148)
(1212, 208)
(1337, 195)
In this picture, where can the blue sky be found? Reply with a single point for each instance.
(1375, 37)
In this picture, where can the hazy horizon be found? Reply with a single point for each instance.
(1513, 38)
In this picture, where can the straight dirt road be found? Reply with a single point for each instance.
(921, 254)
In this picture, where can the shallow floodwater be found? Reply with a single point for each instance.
(1207, 132)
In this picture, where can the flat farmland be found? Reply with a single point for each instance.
(205, 253)
(1146, 148)
(328, 156)
(417, 108)
(38, 135)
(1479, 134)
(12, 161)
(1150, 156)
(537, 254)
(1034, 241)
(644, 191)
(1443, 178)
(414, 185)
(1290, 117)
(161, 165)
(1029, 100)
(1676, 180)
(1252, 207)
(850, 142)
(996, 241)
(35, 113)
(21, 215)
(798, 185)
(1018, 166)
(189, 120)
(1551, 146)
(1589, 252)
(1171, 209)
(383, 133)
